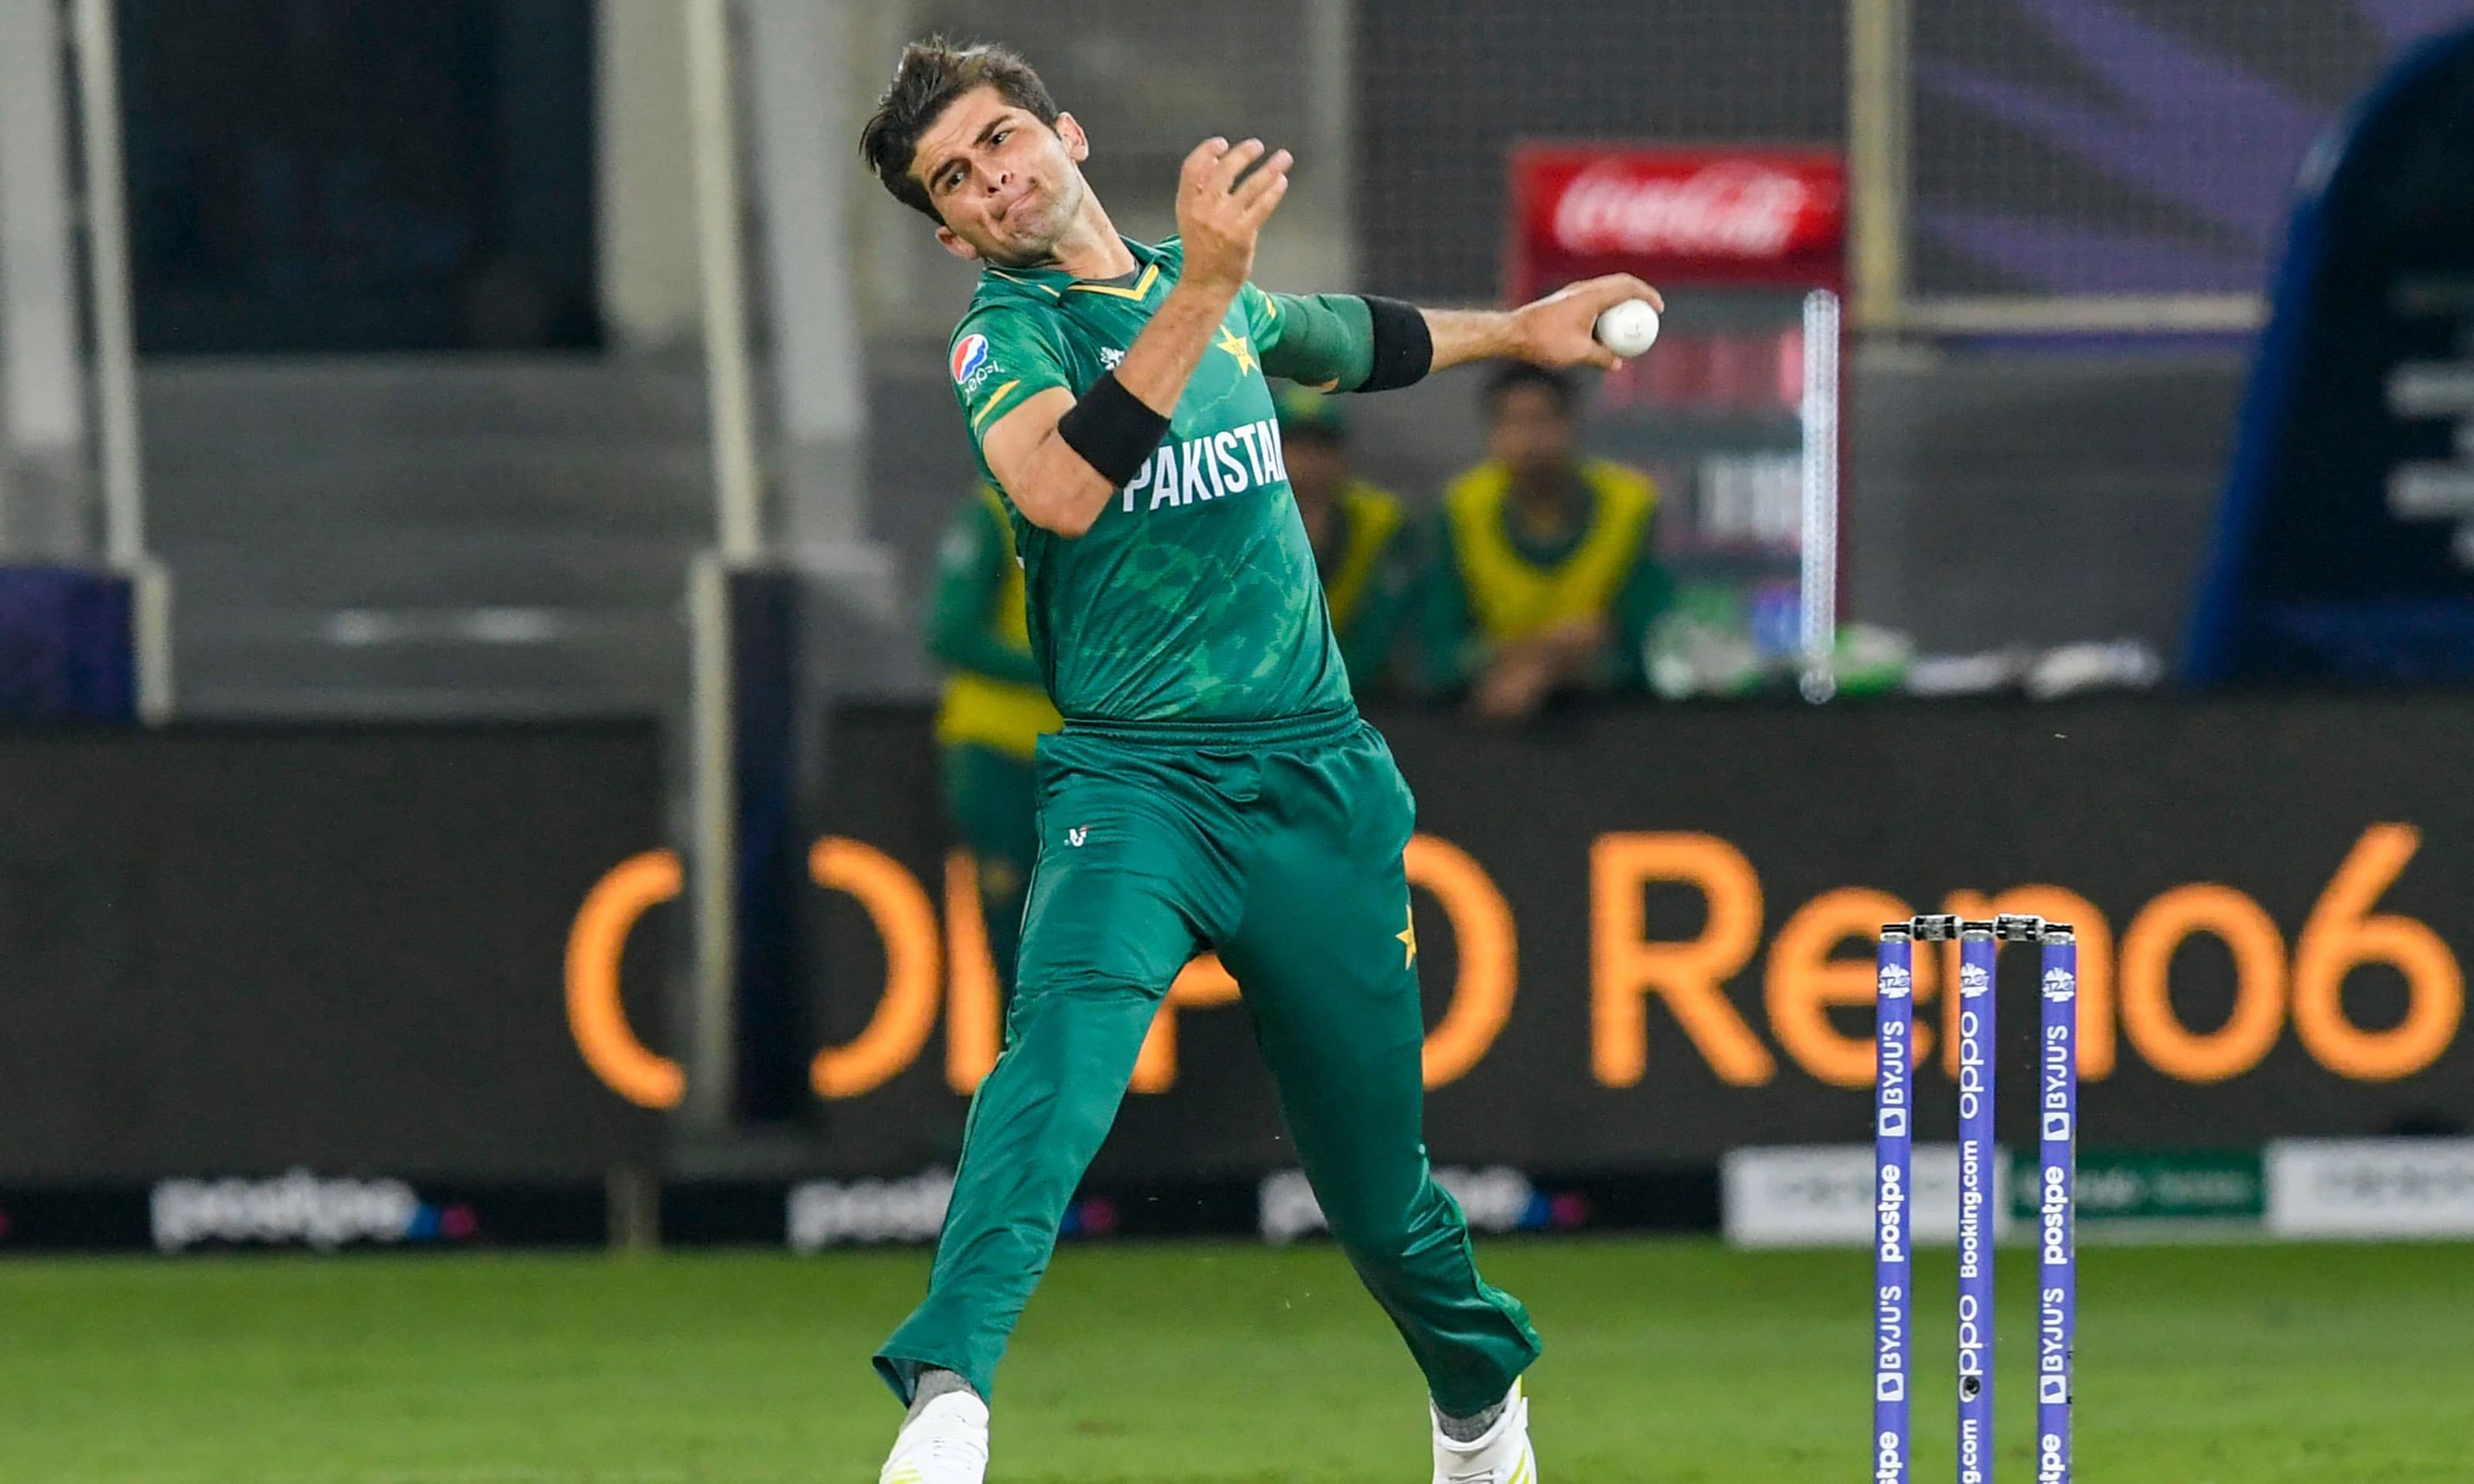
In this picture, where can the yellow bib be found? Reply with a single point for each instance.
(1511, 597)
(995, 714)
(1370, 517)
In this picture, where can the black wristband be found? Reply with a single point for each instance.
(1404, 347)
(1112, 430)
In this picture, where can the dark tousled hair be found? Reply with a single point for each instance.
(1557, 386)
(931, 75)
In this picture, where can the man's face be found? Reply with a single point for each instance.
(1532, 434)
(1006, 184)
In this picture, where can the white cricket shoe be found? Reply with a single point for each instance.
(946, 1444)
(1500, 1456)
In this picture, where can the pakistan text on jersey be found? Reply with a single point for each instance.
(1213, 466)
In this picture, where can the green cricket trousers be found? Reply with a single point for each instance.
(1279, 845)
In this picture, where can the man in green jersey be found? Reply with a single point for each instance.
(1213, 787)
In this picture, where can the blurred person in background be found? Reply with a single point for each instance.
(993, 716)
(1542, 582)
(1358, 533)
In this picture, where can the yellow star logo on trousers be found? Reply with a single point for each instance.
(1235, 345)
(1408, 938)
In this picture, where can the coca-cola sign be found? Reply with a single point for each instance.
(1732, 208)
(1749, 216)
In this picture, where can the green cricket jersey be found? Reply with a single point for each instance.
(1194, 597)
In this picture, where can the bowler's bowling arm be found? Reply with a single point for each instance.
(1557, 330)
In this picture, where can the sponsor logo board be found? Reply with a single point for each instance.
(1495, 1199)
(297, 1209)
(1822, 1195)
(2148, 1194)
(822, 1213)
(2370, 1189)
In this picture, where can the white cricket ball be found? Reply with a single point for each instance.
(1628, 328)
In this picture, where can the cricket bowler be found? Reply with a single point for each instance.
(1213, 786)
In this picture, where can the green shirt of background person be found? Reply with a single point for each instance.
(1542, 579)
(993, 714)
(1359, 533)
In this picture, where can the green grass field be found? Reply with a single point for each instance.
(1666, 1361)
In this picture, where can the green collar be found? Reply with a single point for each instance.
(1056, 281)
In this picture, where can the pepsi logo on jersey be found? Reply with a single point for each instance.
(972, 362)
